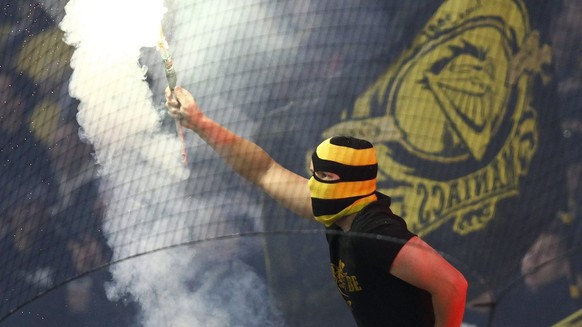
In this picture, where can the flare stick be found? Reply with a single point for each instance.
(172, 80)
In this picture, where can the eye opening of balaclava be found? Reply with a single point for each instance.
(354, 161)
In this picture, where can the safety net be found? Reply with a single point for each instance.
(112, 214)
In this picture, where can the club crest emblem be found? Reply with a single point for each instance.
(452, 118)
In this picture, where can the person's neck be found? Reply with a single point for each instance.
(345, 223)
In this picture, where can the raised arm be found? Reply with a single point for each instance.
(245, 157)
(420, 265)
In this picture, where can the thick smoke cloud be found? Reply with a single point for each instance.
(143, 180)
(241, 60)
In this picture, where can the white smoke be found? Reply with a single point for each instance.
(143, 179)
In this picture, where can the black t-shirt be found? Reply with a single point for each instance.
(361, 267)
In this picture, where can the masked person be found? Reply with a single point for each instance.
(403, 282)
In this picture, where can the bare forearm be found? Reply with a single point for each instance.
(253, 163)
(245, 157)
(450, 306)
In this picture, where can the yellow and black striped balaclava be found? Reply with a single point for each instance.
(354, 161)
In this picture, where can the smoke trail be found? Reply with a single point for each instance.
(142, 177)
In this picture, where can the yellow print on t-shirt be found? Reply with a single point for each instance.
(346, 283)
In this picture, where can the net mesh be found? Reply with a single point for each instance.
(473, 107)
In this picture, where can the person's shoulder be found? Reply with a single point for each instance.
(377, 216)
